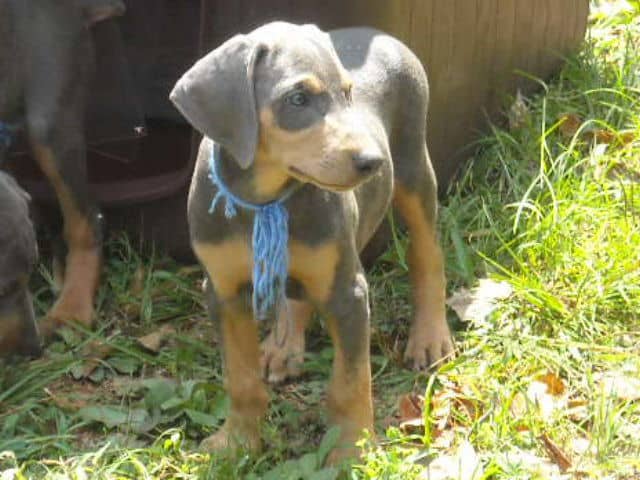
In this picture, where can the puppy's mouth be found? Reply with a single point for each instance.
(301, 176)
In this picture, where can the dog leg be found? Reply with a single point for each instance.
(240, 348)
(83, 260)
(283, 350)
(429, 337)
(248, 394)
(349, 398)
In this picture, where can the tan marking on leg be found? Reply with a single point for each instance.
(283, 350)
(229, 267)
(349, 398)
(228, 263)
(315, 268)
(84, 258)
(248, 394)
(429, 338)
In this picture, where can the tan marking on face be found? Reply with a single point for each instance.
(320, 154)
(313, 84)
(315, 268)
(84, 258)
(426, 267)
(228, 264)
(349, 398)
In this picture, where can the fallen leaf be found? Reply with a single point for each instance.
(519, 460)
(608, 137)
(464, 464)
(557, 456)
(95, 352)
(476, 305)
(415, 426)
(570, 123)
(518, 114)
(555, 385)
(619, 385)
(137, 281)
(518, 406)
(548, 393)
(154, 340)
(577, 409)
(580, 445)
(410, 406)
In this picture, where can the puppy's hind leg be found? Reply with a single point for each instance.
(283, 350)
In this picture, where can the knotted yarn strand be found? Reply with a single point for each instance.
(269, 240)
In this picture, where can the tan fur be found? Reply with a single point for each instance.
(321, 154)
(283, 350)
(249, 397)
(428, 283)
(84, 259)
(10, 332)
(226, 276)
(349, 398)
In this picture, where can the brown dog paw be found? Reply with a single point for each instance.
(425, 351)
(65, 313)
(281, 359)
(232, 439)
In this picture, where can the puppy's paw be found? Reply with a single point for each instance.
(65, 313)
(231, 439)
(281, 358)
(426, 348)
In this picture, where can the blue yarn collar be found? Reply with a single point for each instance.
(269, 240)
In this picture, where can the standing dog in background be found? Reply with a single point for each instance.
(338, 120)
(46, 61)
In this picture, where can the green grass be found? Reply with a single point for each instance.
(551, 209)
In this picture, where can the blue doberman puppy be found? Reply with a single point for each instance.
(46, 60)
(338, 121)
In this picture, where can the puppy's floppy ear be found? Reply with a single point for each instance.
(216, 95)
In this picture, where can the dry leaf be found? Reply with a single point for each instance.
(94, 351)
(577, 409)
(530, 462)
(518, 112)
(137, 281)
(555, 385)
(415, 426)
(410, 406)
(580, 445)
(463, 465)
(518, 407)
(555, 453)
(549, 393)
(570, 124)
(154, 340)
(620, 386)
(477, 305)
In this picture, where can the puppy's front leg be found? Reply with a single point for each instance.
(349, 397)
(243, 382)
(228, 267)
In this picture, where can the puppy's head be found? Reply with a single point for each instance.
(280, 96)
(18, 254)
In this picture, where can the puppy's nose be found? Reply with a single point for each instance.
(367, 162)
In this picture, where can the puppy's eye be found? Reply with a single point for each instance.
(298, 99)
